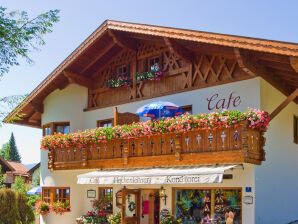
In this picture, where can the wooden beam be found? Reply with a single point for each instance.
(37, 107)
(179, 50)
(80, 80)
(294, 63)
(244, 62)
(99, 56)
(288, 100)
(123, 42)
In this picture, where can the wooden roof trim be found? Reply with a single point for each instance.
(290, 49)
(277, 47)
(6, 163)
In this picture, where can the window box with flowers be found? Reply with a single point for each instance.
(155, 74)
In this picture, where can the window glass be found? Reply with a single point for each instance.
(122, 70)
(107, 193)
(208, 205)
(187, 109)
(154, 63)
(62, 195)
(66, 129)
(105, 123)
(46, 195)
(63, 129)
(47, 131)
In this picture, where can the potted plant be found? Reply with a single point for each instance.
(42, 208)
(115, 218)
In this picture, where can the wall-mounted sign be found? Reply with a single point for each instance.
(248, 200)
(248, 189)
(91, 194)
(217, 101)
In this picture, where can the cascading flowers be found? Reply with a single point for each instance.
(44, 208)
(181, 124)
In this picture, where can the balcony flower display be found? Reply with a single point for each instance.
(155, 73)
(60, 207)
(257, 119)
(42, 208)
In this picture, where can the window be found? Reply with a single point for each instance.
(154, 63)
(56, 127)
(295, 129)
(122, 70)
(62, 128)
(200, 205)
(54, 194)
(187, 109)
(106, 193)
(105, 123)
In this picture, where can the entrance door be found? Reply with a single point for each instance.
(130, 206)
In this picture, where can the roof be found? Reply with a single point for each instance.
(275, 53)
(19, 168)
(5, 165)
(34, 168)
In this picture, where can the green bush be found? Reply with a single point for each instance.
(9, 210)
(25, 210)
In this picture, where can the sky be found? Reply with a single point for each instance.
(268, 19)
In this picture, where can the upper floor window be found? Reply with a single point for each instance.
(187, 109)
(295, 126)
(105, 123)
(56, 127)
(154, 63)
(122, 70)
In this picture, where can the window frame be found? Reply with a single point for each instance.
(105, 121)
(53, 126)
(52, 195)
(207, 188)
(121, 67)
(154, 57)
(100, 189)
(187, 107)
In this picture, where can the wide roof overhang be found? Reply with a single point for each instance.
(276, 62)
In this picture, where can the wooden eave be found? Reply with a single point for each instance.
(276, 62)
(6, 165)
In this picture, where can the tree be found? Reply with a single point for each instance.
(9, 210)
(36, 179)
(26, 212)
(2, 179)
(10, 151)
(19, 185)
(19, 35)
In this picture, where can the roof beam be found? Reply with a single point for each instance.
(288, 100)
(294, 63)
(244, 63)
(179, 50)
(99, 56)
(253, 68)
(80, 80)
(37, 107)
(123, 42)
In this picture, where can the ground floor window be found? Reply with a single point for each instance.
(106, 193)
(203, 205)
(55, 194)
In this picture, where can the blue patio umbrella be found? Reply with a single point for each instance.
(34, 190)
(159, 109)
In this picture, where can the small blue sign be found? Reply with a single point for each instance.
(248, 189)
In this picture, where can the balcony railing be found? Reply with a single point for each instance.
(237, 144)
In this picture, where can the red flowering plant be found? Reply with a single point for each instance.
(60, 207)
(180, 124)
(94, 217)
(121, 80)
(155, 73)
(42, 208)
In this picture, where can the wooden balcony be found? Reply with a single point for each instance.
(237, 144)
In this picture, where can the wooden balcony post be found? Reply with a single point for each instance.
(84, 151)
(178, 147)
(125, 152)
(51, 157)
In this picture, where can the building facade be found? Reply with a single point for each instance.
(220, 175)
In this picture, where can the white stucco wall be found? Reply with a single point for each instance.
(68, 105)
(276, 179)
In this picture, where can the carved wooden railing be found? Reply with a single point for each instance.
(236, 144)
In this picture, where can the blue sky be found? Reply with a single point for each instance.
(269, 19)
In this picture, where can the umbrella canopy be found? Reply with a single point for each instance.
(159, 109)
(34, 190)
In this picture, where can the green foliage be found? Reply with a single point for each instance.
(36, 179)
(115, 218)
(2, 179)
(19, 185)
(32, 199)
(26, 212)
(9, 210)
(9, 150)
(20, 34)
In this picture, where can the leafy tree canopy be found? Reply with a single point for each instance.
(10, 151)
(19, 185)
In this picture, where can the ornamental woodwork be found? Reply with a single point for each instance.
(181, 74)
(236, 144)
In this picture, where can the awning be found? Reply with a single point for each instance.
(181, 175)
